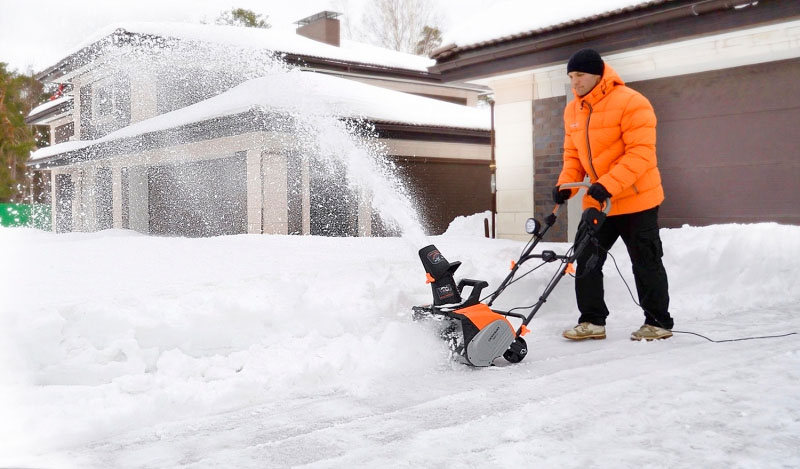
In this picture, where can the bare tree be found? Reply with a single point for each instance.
(349, 27)
(399, 24)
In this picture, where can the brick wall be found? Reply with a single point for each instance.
(548, 128)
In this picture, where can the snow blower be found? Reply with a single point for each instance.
(478, 334)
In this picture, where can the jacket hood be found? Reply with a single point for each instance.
(608, 81)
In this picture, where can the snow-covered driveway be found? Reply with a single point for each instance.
(122, 350)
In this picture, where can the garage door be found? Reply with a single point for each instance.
(204, 198)
(728, 144)
(447, 188)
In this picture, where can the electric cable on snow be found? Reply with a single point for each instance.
(630, 292)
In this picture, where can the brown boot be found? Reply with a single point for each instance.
(585, 330)
(648, 333)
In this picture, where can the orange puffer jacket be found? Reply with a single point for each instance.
(619, 151)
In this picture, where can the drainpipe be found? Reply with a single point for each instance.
(493, 168)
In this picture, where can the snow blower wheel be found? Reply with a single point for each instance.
(517, 352)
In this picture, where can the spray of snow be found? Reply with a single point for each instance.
(198, 73)
(354, 146)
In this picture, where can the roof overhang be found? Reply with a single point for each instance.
(651, 24)
(224, 126)
(50, 113)
(88, 54)
(341, 66)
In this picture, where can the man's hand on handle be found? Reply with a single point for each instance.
(598, 192)
(561, 196)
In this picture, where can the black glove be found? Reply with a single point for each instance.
(561, 196)
(598, 192)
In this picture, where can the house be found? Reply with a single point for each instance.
(723, 77)
(192, 130)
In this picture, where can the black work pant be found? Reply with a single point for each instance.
(639, 232)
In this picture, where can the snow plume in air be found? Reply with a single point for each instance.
(350, 162)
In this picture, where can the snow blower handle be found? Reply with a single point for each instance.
(574, 185)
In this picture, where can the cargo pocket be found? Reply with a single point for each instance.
(649, 247)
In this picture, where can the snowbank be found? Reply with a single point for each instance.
(472, 225)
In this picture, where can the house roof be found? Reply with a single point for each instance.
(293, 46)
(514, 19)
(311, 94)
(539, 34)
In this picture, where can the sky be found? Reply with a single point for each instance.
(35, 35)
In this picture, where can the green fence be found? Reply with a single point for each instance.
(31, 215)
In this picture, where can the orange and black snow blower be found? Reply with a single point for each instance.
(478, 334)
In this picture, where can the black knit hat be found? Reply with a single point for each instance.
(586, 61)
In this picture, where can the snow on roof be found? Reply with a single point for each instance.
(273, 39)
(514, 17)
(49, 104)
(380, 56)
(310, 93)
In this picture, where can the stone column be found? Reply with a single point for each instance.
(514, 154)
(255, 192)
(87, 210)
(364, 214)
(275, 194)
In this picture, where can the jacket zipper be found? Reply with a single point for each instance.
(588, 144)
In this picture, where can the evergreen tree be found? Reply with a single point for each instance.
(431, 38)
(18, 95)
(243, 17)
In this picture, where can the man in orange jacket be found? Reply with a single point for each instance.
(611, 137)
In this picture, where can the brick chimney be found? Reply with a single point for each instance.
(322, 27)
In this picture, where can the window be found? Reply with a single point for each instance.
(64, 132)
(105, 106)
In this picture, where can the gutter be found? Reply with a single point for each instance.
(580, 35)
(462, 86)
(345, 67)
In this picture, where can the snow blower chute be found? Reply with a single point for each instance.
(478, 334)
